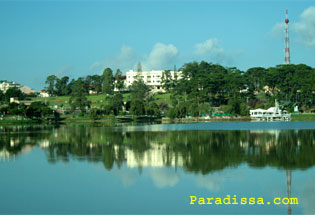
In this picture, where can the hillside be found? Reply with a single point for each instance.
(97, 100)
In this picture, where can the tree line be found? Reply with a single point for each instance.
(197, 88)
(104, 83)
(204, 85)
(200, 151)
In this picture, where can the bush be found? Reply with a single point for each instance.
(95, 114)
(171, 113)
(137, 107)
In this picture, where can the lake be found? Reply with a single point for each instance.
(93, 169)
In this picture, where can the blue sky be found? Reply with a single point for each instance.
(78, 38)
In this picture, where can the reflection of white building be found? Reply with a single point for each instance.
(151, 78)
(156, 156)
(5, 155)
(43, 144)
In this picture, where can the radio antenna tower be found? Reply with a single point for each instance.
(287, 47)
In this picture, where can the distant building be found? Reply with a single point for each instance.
(27, 90)
(273, 113)
(92, 92)
(5, 85)
(25, 102)
(151, 78)
(14, 100)
(43, 94)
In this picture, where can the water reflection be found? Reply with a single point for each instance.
(195, 151)
(205, 160)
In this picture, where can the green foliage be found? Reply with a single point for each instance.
(163, 106)
(153, 110)
(119, 82)
(108, 81)
(166, 80)
(139, 90)
(13, 92)
(78, 96)
(244, 109)
(171, 113)
(38, 110)
(107, 109)
(202, 85)
(256, 78)
(95, 113)
(2, 97)
(137, 107)
(62, 87)
(94, 83)
(117, 103)
(235, 106)
(51, 81)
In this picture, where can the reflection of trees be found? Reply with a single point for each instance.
(292, 149)
(17, 139)
(196, 151)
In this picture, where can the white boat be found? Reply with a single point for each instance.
(272, 114)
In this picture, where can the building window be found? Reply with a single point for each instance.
(149, 76)
(148, 81)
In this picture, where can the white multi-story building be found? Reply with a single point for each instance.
(151, 78)
(5, 85)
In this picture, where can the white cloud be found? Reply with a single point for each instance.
(211, 50)
(65, 70)
(123, 61)
(306, 27)
(278, 30)
(128, 176)
(212, 183)
(164, 177)
(209, 47)
(162, 56)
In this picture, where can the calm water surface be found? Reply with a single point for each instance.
(156, 168)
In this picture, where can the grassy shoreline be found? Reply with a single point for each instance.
(294, 117)
(303, 117)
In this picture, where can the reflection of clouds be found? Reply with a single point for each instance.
(163, 177)
(211, 182)
(215, 181)
(308, 198)
(128, 176)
